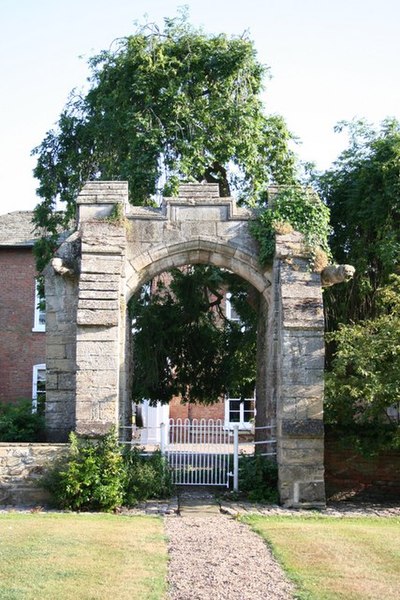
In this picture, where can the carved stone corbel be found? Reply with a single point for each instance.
(333, 274)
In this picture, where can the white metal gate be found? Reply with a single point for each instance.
(198, 451)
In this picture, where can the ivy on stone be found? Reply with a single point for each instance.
(292, 208)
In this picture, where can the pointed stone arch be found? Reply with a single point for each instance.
(114, 250)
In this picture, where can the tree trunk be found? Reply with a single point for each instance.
(264, 410)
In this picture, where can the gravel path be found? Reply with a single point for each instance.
(214, 557)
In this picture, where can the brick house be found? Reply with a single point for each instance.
(23, 343)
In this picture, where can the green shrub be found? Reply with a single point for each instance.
(98, 475)
(145, 476)
(19, 424)
(258, 478)
(90, 477)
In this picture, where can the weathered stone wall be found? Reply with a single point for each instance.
(299, 373)
(61, 306)
(21, 468)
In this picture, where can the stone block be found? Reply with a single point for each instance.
(306, 290)
(190, 230)
(98, 304)
(97, 334)
(300, 456)
(106, 318)
(94, 430)
(296, 277)
(60, 364)
(203, 214)
(310, 492)
(66, 381)
(94, 379)
(292, 473)
(302, 428)
(103, 362)
(113, 280)
(102, 265)
(96, 295)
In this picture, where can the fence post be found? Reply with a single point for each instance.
(236, 458)
(163, 440)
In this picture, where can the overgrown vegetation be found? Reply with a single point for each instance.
(19, 424)
(293, 208)
(97, 475)
(258, 478)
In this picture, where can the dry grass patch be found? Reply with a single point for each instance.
(336, 559)
(81, 557)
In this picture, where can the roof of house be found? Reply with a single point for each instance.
(17, 229)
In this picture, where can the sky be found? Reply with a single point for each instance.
(329, 60)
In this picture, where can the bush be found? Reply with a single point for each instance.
(258, 478)
(98, 475)
(145, 476)
(19, 424)
(90, 477)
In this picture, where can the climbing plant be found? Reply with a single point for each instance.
(293, 208)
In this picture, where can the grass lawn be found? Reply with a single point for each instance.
(336, 558)
(81, 556)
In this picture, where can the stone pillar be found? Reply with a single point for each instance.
(300, 374)
(101, 311)
(61, 305)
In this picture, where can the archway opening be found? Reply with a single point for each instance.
(195, 352)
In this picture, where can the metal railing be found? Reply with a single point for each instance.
(203, 452)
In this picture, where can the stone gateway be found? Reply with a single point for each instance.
(115, 249)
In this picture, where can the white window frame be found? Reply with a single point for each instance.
(37, 325)
(243, 425)
(228, 308)
(35, 378)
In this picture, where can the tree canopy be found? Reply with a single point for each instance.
(362, 191)
(163, 105)
(185, 345)
(364, 382)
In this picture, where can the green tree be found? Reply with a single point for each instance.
(183, 342)
(365, 382)
(362, 191)
(163, 105)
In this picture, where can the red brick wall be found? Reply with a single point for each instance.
(195, 411)
(20, 347)
(350, 474)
